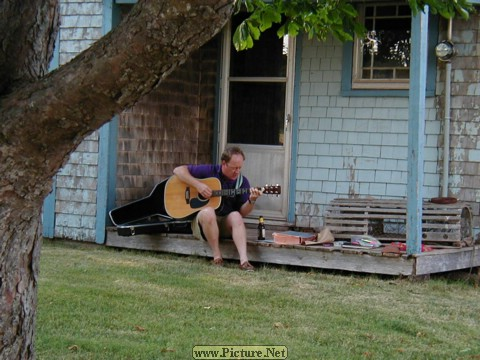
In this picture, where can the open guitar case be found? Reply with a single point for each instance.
(148, 216)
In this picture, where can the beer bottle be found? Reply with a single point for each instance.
(261, 228)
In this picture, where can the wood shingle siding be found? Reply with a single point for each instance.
(464, 181)
(171, 126)
(76, 183)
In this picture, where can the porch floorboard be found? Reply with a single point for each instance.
(363, 261)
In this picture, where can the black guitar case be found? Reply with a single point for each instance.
(147, 216)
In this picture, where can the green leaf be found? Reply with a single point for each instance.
(236, 40)
(293, 29)
(240, 37)
(282, 31)
(249, 43)
(254, 31)
(350, 10)
(249, 5)
(320, 18)
(464, 8)
(269, 16)
(237, 7)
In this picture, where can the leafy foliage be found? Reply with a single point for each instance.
(319, 18)
(445, 8)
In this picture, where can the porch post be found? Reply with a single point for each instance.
(107, 152)
(416, 130)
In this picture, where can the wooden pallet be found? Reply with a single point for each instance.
(443, 225)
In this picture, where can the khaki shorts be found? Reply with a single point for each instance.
(225, 233)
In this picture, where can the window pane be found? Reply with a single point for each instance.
(369, 11)
(383, 74)
(402, 74)
(256, 113)
(404, 11)
(386, 50)
(386, 11)
(266, 58)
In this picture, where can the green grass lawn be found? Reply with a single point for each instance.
(100, 303)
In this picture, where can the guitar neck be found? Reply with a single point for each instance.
(230, 192)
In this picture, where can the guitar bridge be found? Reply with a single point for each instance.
(187, 195)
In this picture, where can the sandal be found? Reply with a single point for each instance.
(217, 262)
(246, 266)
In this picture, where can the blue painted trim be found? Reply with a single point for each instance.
(48, 210)
(55, 62)
(107, 152)
(416, 132)
(218, 90)
(108, 11)
(125, 1)
(347, 63)
(111, 15)
(106, 183)
(48, 213)
(346, 83)
(295, 125)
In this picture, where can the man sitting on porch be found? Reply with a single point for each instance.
(227, 221)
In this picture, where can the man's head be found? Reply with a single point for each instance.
(232, 162)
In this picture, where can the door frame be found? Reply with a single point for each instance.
(287, 216)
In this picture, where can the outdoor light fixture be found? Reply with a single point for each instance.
(445, 50)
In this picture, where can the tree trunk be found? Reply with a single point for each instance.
(19, 261)
(44, 118)
(28, 29)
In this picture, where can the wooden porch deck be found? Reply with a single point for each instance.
(355, 260)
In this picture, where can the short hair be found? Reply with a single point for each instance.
(230, 151)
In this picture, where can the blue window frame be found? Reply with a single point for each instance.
(376, 81)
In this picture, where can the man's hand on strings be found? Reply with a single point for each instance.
(204, 190)
(254, 194)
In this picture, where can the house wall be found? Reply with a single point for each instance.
(171, 126)
(76, 183)
(352, 146)
(357, 146)
(464, 179)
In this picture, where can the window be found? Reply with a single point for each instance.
(382, 58)
(257, 90)
(378, 65)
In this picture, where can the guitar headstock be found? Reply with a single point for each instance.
(272, 189)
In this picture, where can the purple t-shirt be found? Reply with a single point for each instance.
(229, 203)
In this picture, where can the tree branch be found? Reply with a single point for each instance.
(44, 121)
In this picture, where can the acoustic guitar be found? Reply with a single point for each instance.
(182, 200)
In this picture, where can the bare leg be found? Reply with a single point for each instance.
(239, 234)
(208, 221)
